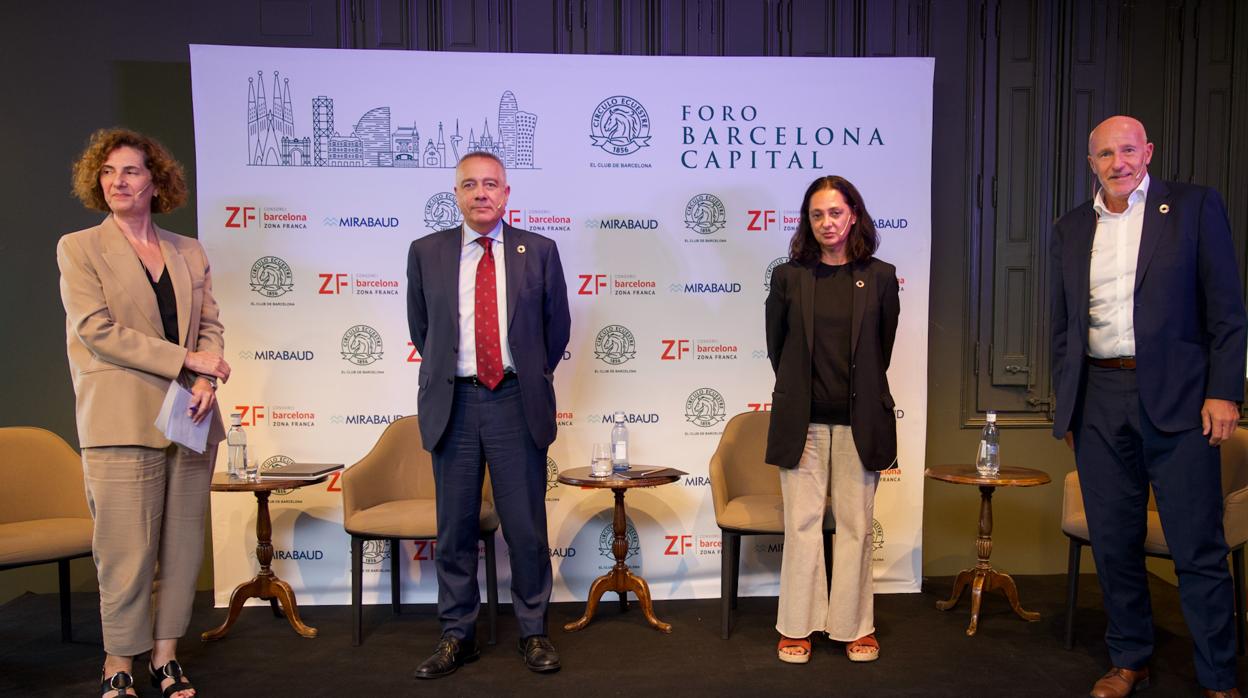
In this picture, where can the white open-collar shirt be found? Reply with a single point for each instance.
(470, 254)
(1111, 277)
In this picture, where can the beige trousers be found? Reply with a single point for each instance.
(149, 506)
(846, 612)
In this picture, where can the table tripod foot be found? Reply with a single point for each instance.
(641, 589)
(600, 586)
(959, 585)
(242, 592)
(1005, 583)
(285, 596)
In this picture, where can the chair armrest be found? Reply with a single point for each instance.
(719, 483)
(365, 483)
(1235, 517)
(1072, 498)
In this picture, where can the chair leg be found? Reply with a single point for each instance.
(827, 557)
(1237, 574)
(357, 591)
(62, 570)
(736, 567)
(491, 586)
(726, 570)
(396, 587)
(1072, 589)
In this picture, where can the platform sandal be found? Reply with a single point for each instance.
(864, 649)
(788, 643)
(171, 670)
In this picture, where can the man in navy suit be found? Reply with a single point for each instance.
(487, 307)
(1148, 357)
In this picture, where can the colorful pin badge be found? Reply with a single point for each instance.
(520, 248)
(1164, 208)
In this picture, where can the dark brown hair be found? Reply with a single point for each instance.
(167, 175)
(863, 240)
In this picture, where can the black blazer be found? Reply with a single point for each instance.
(1190, 339)
(538, 324)
(790, 339)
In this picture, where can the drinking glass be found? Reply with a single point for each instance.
(600, 465)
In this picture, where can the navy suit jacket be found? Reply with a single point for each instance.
(1190, 340)
(538, 324)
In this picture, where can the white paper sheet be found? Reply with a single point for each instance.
(176, 423)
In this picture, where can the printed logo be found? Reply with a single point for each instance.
(373, 141)
(696, 481)
(277, 355)
(360, 222)
(552, 474)
(761, 220)
(266, 218)
(704, 214)
(771, 268)
(877, 535)
(271, 277)
(607, 538)
(689, 544)
(705, 407)
(361, 345)
(703, 288)
(376, 552)
(629, 417)
(277, 463)
(621, 224)
(565, 419)
(895, 223)
(620, 126)
(280, 416)
(539, 221)
(442, 212)
(615, 345)
(364, 419)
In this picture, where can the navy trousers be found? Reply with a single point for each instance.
(488, 426)
(1119, 454)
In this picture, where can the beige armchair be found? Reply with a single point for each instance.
(746, 494)
(389, 495)
(1234, 523)
(43, 506)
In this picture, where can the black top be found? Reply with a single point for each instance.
(834, 312)
(167, 302)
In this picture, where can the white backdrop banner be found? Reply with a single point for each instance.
(672, 186)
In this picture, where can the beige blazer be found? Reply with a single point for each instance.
(119, 359)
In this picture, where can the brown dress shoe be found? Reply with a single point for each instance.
(1210, 693)
(1119, 683)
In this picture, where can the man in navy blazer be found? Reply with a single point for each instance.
(487, 307)
(1148, 356)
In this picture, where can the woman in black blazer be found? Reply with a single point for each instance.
(831, 321)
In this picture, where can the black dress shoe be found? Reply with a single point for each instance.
(450, 654)
(539, 654)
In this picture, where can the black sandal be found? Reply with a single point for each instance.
(171, 670)
(121, 682)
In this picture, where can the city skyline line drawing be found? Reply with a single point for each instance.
(272, 140)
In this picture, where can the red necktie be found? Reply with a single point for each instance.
(489, 355)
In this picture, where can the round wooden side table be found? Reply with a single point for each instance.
(619, 578)
(265, 585)
(982, 577)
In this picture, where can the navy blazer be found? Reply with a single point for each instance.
(790, 318)
(538, 324)
(1190, 341)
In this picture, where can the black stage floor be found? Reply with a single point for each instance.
(925, 652)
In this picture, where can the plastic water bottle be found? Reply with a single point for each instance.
(988, 460)
(236, 455)
(619, 444)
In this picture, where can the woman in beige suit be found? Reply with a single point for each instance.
(139, 313)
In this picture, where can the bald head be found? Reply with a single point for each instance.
(1119, 154)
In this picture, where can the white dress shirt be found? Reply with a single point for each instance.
(1111, 278)
(470, 255)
